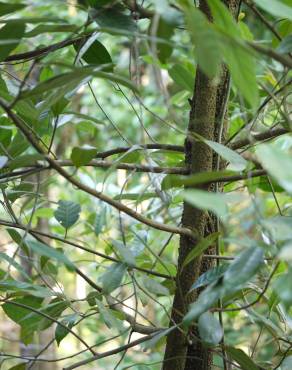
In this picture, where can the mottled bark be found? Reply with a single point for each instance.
(206, 116)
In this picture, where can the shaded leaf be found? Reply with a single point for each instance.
(44, 250)
(241, 358)
(275, 7)
(61, 332)
(113, 277)
(215, 202)
(182, 76)
(81, 156)
(10, 36)
(6, 8)
(198, 249)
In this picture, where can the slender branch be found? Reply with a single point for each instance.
(258, 137)
(43, 51)
(40, 313)
(103, 197)
(175, 148)
(285, 60)
(73, 244)
(111, 352)
(129, 166)
(263, 19)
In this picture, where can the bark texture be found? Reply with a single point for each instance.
(206, 117)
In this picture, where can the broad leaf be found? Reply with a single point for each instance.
(155, 287)
(124, 252)
(82, 156)
(210, 329)
(67, 213)
(275, 7)
(277, 163)
(209, 276)
(183, 77)
(10, 36)
(244, 266)
(113, 277)
(61, 332)
(44, 250)
(241, 358)
(6, 8)
(215, 202)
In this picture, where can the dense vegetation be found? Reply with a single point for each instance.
(146, 180)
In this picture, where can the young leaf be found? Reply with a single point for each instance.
(67, 213)
(200, 248)
(82, 156)
(113, 277)
(210, 329)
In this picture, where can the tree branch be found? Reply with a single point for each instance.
(103, 197)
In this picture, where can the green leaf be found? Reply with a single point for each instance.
(61, 332)
(155, 287)
(12, 262)
(209, 276)
(237, 162)
(205, 39)
(114, 19)
(241, 358)
(206, 300)
(95, 53)
(156, 338)
(200, 248)
(164, 31)
(21, 366)
(277, 163)
(44, 250)
(6, 8)
(67, 213)
(210, 329)
(49, 28)
(285, 45)
(124, 252)
(244, 266)
(10, 36)
(174, 181)
(3, 161)
(73, 79)
(81, 156)
(107, 316)
(275, 7)
(182, 76)
(215, 202)
(25, 160)
(23, 288)
(100, 220)
(113, 277)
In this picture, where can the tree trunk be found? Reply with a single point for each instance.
(206, 116)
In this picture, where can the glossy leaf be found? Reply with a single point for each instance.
(209, 276)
